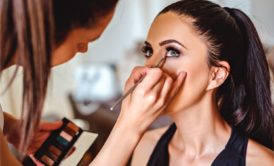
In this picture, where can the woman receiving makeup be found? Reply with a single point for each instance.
(39, 34)
(223, 114)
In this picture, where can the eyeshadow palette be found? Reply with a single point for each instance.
(60, 142)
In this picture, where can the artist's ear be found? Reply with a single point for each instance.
(218, 75)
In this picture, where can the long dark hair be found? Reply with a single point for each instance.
(245, 97)
(29, 31)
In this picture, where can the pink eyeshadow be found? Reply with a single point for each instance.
(66, 136)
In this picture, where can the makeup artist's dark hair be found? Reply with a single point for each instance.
(245, 97)
(71, 14)
(32, 29)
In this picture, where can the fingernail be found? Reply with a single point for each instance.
(182, 74)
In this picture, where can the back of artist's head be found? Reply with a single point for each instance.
(30, 32)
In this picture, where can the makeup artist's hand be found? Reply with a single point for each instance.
(138, 111)
(42, 134)
(150, 97)
(39, 137)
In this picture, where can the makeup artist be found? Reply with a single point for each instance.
(39, 34)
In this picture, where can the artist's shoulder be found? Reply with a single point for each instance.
(258, 154)
(146, 145)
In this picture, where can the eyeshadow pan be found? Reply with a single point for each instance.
(47, 160)
(73, 127)
(52, 156)
(69, 131)
(57, 145)
(54, 150)
(62, 141)
(66, 136)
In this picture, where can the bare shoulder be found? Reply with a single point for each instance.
(258, 154)
(146, 145)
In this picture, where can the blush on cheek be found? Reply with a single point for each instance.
(172, 70)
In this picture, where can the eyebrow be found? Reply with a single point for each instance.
(165, 42)
(147, 43)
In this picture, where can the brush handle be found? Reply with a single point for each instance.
(126, 94)
(134, 86)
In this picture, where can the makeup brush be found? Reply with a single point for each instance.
(135, 85)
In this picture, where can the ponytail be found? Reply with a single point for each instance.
(256, 108)
(27, 29)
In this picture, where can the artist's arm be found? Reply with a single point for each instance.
(11, 123)
(6, 158)
(138, 111)
(11, 128)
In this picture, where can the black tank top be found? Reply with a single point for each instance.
(234, 153)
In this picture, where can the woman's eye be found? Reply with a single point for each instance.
(147, 52)
(172, 52)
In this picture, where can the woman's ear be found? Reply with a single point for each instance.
(218, 75)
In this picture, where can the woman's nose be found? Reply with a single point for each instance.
(150, 62)
(82, 47)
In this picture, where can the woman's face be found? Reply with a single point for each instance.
(171, 34)
(78, 40)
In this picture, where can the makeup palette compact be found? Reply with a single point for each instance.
(61, 141)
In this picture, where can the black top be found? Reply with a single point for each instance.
(234, 153)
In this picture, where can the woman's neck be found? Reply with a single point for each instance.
(200, 129)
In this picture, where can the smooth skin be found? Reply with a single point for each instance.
(201, 131)
(138, 110)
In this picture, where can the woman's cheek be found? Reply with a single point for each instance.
(173, 68)
(193, 88)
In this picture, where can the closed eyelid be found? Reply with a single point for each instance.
(175, 46)
(145, 47)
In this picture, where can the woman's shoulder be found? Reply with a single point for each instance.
(146, 146)
(258, 154)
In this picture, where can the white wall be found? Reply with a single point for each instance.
(263, 13)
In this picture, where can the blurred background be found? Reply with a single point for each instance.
(84, 88)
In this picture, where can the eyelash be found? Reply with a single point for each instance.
(148, 51)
